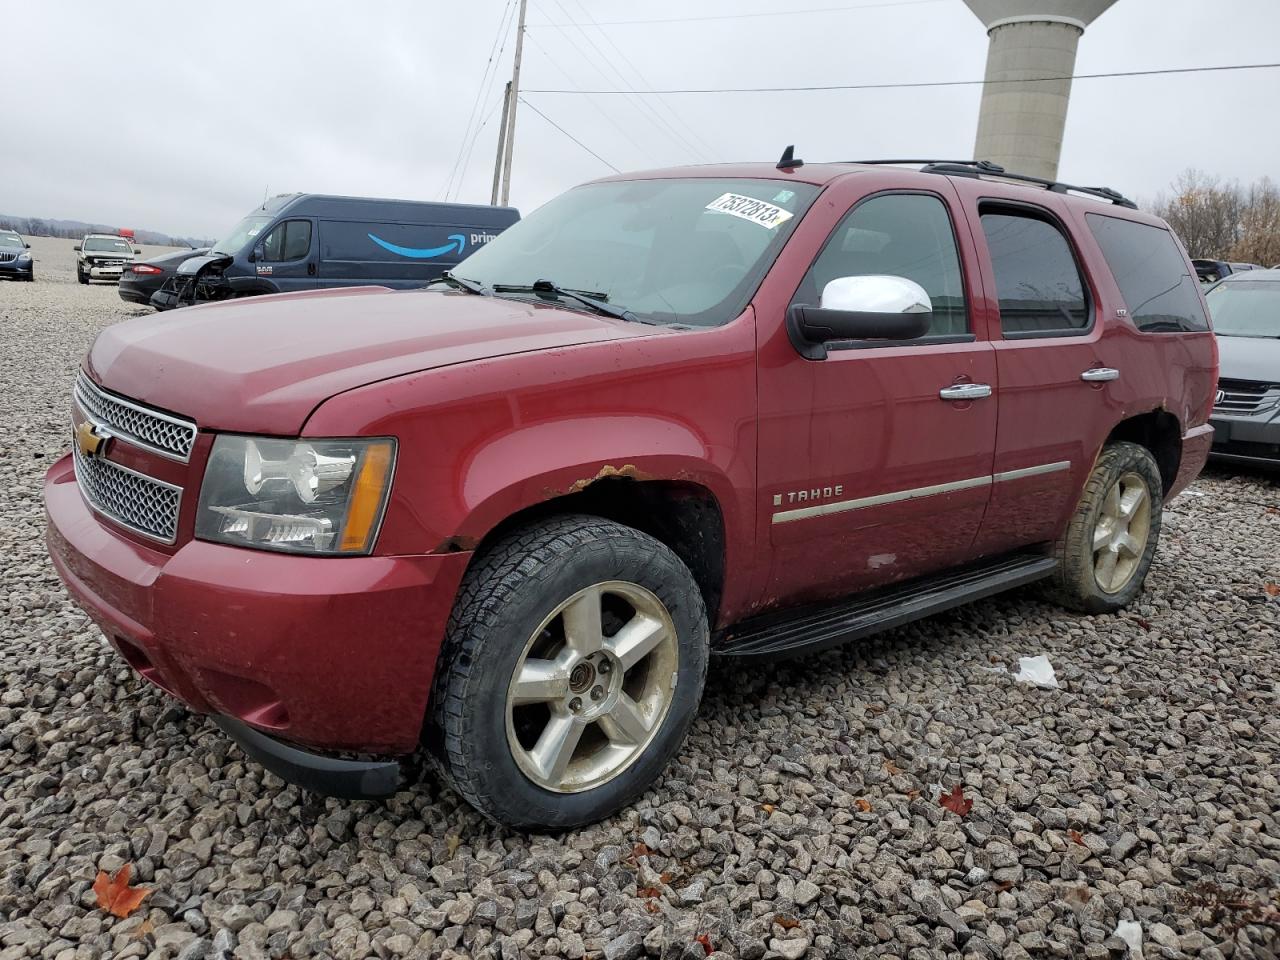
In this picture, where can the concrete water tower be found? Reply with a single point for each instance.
(1022, 117)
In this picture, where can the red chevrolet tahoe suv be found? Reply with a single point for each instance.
(746, 411)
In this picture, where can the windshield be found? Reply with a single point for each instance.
(671, 251)
(240, 234)
(1245, 308)
(10, 240)
(107, 245)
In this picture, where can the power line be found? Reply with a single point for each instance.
(569, 135)
(934, 83)
(693, 142)
(745, 16)
(481, 91)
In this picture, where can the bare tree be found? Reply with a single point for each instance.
(1204, 212)
(1259, 240)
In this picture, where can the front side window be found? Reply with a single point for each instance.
(902, 235)
(290, 240)
(1245, 308)
(1037, 280)
(1151, 273)
(689, 251)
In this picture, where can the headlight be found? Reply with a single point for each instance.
(298, 496)
(25, 255)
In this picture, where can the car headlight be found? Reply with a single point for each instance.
(298, 496)
(24, 256)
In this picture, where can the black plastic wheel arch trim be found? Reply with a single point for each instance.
(315, 772)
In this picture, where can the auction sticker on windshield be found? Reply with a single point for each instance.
(749, 208)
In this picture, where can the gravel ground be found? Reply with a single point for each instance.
(801, 819)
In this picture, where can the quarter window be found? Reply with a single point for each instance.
(903, 235)
(1151, 273)
(290, 240)
(1037, 280)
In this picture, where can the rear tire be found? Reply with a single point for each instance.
(572, 667)
(1107, 548)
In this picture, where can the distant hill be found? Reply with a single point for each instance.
(75, 229)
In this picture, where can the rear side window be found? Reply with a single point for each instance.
(290, 240)
(1037, 280)
(1151, 273)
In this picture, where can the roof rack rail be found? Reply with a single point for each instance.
(985, 168)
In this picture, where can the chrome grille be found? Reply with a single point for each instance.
(8, 257)
(143, 504)
(1245, 397)
(158, 432)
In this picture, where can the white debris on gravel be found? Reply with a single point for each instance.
(1154, 769)
(1131, 933)
(1037, 671)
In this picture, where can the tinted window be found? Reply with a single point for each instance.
(901, 235)
(1037, 280)
(1151, 273)
(290, 240)
(1245, 308)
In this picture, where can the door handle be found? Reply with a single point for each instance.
(1100, 374)
(965, 391)
(311, 269)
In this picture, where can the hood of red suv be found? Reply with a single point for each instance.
(262, 364)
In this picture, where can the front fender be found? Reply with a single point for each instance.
(484, 440)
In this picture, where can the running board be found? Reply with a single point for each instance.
(789, 633)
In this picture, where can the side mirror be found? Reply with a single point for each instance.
(76, 248)
(27, 245)
(258, 254)
(874, 307)
(137, 250)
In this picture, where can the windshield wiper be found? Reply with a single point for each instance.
(471, 286)
(596, 301)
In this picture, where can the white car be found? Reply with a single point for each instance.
(103, 256)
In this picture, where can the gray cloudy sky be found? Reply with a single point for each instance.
(176, 117)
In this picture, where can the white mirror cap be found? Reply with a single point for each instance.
(876, 293)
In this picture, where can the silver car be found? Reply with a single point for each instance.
(103, 256)
(1246, 409)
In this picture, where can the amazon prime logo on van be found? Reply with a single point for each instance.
(456, 242)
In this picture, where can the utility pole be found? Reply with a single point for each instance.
(512, 99)
(502, 144)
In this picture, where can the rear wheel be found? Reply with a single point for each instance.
(573, 666)
(1108, 546)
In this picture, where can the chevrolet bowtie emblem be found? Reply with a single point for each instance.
(90, 442)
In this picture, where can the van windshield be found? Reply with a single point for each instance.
(670, 251)
(244, 231)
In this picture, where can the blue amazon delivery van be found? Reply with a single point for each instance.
(304, 241)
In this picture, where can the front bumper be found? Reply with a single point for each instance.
(1247, 439)
(334, 654)
(20, 270)
(113, 272)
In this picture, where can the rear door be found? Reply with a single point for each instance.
(870, 471)
(1056, 369)
(287, 256)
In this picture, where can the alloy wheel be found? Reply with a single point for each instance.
(1120, 535)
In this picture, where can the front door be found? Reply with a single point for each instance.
(873, 466)
(286, 257)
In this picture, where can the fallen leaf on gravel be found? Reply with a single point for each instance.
(768, 807)
(115, 895)
(640, 850)
(664, 877)
(785, 922)
(705, 940)
(1004, 886)
(1076, 837)
(647, 892)
(875, 709)
(955, 801)
(1273, 589)
(652, 906)
(891, 768)
(452, 844)
(863, 805)
(144, 928)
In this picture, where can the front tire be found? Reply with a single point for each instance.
(1107, 548)
(81, 276)
(572, 667)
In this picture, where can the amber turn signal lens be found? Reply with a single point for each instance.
(368, 498)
